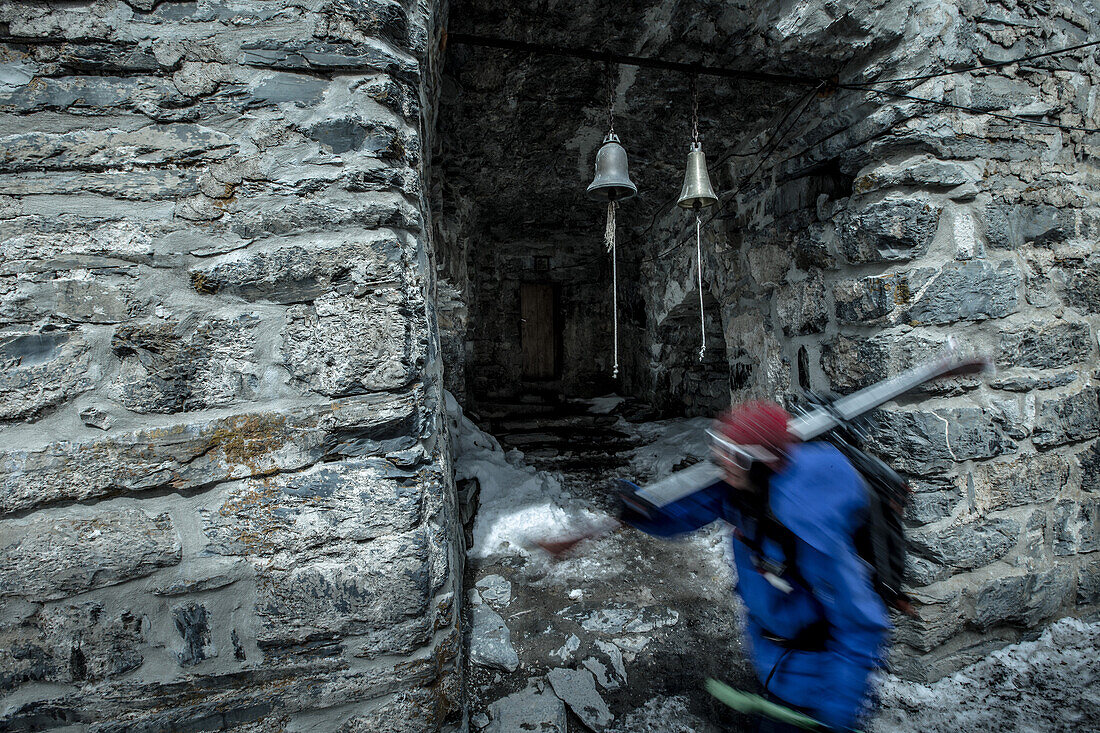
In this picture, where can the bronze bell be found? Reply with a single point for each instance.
(697, 192)
(612, 181)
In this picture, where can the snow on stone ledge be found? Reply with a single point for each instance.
(517, 504)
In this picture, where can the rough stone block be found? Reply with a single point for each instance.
(83, 150)
(972, 291)
(205, 702)
(490, 640)
(83, 554)
(892, 229)
(931, 506)
(319, 55)
(872, 298)
(967, 546)
(1010, 226)
(300, 273)
(352, 500)
(922, 171)
(192, 622)
(192, 364)
(1088, 583)
(1046, 346)
(342, 345)
(265, 215)
(405, 637)
(1068, 419)
(935, 623)
(1028, 383)
(920, 571)
(801, 307)
(918, 440)
(349, 589)
(1023, 600)
(1089, 461)
(156, 98)
(71, 644)
(386, 19)
(68, 299)
(41, 369)
(1080, 286)
(850, 364)
(1077, 526)
(203, 453)
(1030, 479)
(412, 711)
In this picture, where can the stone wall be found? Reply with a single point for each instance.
(225, 493)
(882, 226)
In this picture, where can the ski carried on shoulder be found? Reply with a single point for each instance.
(818, 421)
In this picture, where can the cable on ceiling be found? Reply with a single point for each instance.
(543, 49)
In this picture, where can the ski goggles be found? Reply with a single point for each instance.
(742, 456)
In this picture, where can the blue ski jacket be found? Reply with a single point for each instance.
(821, 499)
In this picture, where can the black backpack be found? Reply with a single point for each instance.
(879, 540)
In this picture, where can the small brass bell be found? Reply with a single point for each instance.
(612, 181)
(697, 192)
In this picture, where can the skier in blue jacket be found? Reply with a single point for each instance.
(816, 627)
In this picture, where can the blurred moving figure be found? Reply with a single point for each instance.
(816, 626)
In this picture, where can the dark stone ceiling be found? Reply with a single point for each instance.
(517, 132)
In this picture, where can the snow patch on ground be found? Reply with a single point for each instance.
(669, 443)
(604, 405)
(518, 504)
(1050, 684)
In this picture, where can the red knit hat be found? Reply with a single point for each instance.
(760, 428)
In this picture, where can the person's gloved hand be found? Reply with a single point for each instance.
(631, 506)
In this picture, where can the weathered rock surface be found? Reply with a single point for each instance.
(342, 345)
(918, 440)
(300, 273)
(490, 640)
(577, 689)
(83, 554)
(188, 365)
(1027, 480)
(196, 455)
(531, 709)
(968, 545)
(1055, 346)
(893, 229)
(1068, 419)
(967, 291)
(40, 370)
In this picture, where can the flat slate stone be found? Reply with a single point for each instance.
(491, 642)
(577, 688)
(529, 710)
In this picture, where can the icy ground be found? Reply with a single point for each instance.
(619, 636)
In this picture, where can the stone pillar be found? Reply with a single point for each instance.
(225, 490)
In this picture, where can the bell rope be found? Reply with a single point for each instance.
(609, 242)
(699, 260)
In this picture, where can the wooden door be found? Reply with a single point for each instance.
(538, 332)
